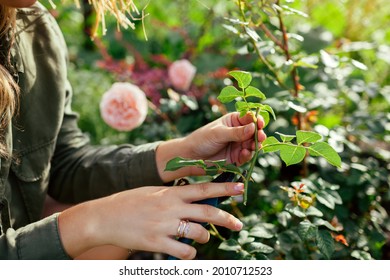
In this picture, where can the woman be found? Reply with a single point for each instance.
(118, 191)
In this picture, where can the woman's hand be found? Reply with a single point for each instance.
(229, 137)
(147, 219)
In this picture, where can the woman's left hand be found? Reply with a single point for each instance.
(229, 137)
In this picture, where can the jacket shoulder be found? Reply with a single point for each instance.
(39, 21)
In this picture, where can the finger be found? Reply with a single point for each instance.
(204, 213)
(178, 249)
(241, 152)
(198, 233)
(245, 145)
(236, 120)
(190, 230)
(260, 122)
(250, 144)
(225, 134)
(209, 190)
(244, 156)
(261, 136)
(247, 130)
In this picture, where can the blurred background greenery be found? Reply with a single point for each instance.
(341, 51)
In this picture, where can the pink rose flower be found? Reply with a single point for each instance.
(181, 73)
(124, 106)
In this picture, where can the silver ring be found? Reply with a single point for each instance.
(183, 228)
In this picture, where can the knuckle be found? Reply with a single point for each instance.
(227, 188)
(207, 211)
(203, 189)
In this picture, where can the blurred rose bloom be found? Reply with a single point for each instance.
(124, 106)
(181, 73)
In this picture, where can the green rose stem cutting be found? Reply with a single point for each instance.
(306, 142)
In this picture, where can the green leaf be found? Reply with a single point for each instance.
(294, 11)
(231, 28)
(313, 211)
(215, 166)
(242, 107)
(285, 137)
(232, 168)
(336, 196)
(244, 255)
(326, 199)
(305, 64)
(179, 162)
(253, 105)
(292, 154)
(252, 91)
(284, 218)
(325, 150)
(307, 137)
(269, 109)
(252, 33)
(295, 210)
(258, 247)
(325, 243)
(321, 222)
(218, 163)
(211, 170)
(261, 232)
(243, 78)
(307, 230)
(361, 255)
(260, 256)
(296, 107)
(244, 237)
(230, 245)
(265, 116)
(228, 94)
(271, 144)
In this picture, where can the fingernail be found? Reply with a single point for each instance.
(238, 225)
(239, 187)
(248, 128)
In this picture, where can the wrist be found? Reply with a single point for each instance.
(168, 150)
(78, 229)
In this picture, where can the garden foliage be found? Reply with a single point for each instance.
(326, 78)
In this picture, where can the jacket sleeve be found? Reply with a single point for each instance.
(80, 171)
(39, 240)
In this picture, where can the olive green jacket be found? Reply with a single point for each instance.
(50, 155)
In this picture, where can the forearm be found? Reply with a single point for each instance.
(82, 173)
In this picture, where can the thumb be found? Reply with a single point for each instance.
(240, 133)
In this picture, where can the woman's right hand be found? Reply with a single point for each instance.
(147, 219)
